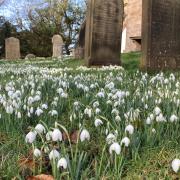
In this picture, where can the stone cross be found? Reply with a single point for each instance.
(104, 22)
(161, 34)
(12, 48)
(57, 46)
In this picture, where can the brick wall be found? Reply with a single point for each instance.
(132, 26)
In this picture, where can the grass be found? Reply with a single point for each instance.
(149, 155)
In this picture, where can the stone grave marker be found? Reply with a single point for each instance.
(104, 22)
(12, 48)
(57, 46)
(161, 34)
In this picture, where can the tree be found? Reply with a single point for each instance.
(62, 17)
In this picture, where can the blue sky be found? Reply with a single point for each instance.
(9, 7)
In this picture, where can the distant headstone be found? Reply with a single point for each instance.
(79, 53)
(12, 48)
(79, 50)
(30, 56)
(161, 34)
(103, 32)
(57, 46)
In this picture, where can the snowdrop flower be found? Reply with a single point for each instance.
(175, 165)
(31, 110)
(37, 153)
(49, 135)
(157, 111)
(109, 102)
(110, 138)
(37, 98)
(98, 122)
(173, 118)
(56, 135)
(96, 104)
(40, 128)
(97, 111)
(129, 129)
(62, 163)
(60, 91)
(44, 106)
(38, 111)
(53, 113)
(125, 141)
(9, 109)
(64, 95)
(153, 131)
(88, 112)
(151, 117)
(115, 147)
(148, 120)
(84, 135)
(19, 115)
(54, 154)
(160, 118)
(115, 112)
(100, 95)
(117, 118)
(146, 106)
(30, 137)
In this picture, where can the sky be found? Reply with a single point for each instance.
(9, 8)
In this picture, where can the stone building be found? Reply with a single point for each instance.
(131, 36)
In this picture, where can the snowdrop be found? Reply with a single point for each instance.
(9, 109)
(129, 129)
(88, 112)
(97, 111)
(117, 118)
(56, 135)
(116, 148)
(100, 95)
(19, 115)
(110, 138)
(38, 111)
(125, 141)
(37, 153)
(173, 118)
(49, 135)
(44, 106)
(53, 113)
(157, 111)
(30, 137)
(98, 122)
(160, 118)
(148, 120)
(40, 128)
(54, 154)
(176, 165)
(62, 163)
(84, 135)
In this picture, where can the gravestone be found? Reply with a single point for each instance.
(79, 50)
(79, 53)
(12, 48)
(57, 46)
(161, 34)
(104, 22)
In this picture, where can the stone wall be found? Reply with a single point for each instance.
(131, 39)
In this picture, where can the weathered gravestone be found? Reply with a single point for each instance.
(103, 32)
(12, 48)
(79, 50)
(57, 46)
(161, 34)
